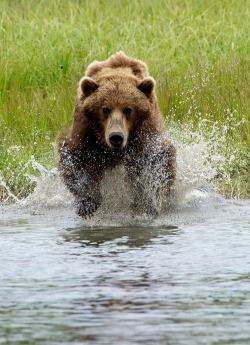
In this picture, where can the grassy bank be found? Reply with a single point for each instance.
(198, 52)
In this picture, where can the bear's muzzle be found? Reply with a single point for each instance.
(116, 139)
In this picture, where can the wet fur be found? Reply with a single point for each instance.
(83, 152)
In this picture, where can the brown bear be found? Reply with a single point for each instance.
(117, 122)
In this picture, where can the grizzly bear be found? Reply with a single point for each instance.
(117, 122)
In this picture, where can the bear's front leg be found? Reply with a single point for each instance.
(88, 197)
(152, 174)
(82, 179)
(142, 198)
(139, 177)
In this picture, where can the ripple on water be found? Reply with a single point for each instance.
(174, 281)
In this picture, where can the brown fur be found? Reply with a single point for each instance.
(115, 63)
(116, 121)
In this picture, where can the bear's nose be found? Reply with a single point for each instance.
(116, 139)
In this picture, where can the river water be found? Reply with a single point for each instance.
(182, 279)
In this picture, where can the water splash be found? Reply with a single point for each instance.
(199, 160)
(9, 195)
(49, 190)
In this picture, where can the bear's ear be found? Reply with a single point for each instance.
(147, 86)
(88, 86)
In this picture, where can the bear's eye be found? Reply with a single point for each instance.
(127, 111)
(106, 110)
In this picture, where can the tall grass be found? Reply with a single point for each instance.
(198, 52)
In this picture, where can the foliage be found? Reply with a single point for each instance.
(198, 52)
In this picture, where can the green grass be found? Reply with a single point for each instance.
(198, 52)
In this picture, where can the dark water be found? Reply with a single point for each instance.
(183, 280)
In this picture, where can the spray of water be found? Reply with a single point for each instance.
(8, 195)
(49, 190)
(199, 161)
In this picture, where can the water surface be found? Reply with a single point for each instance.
(183, 279)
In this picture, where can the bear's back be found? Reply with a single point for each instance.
(117, 63)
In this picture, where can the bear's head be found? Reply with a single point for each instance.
(116, 105)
